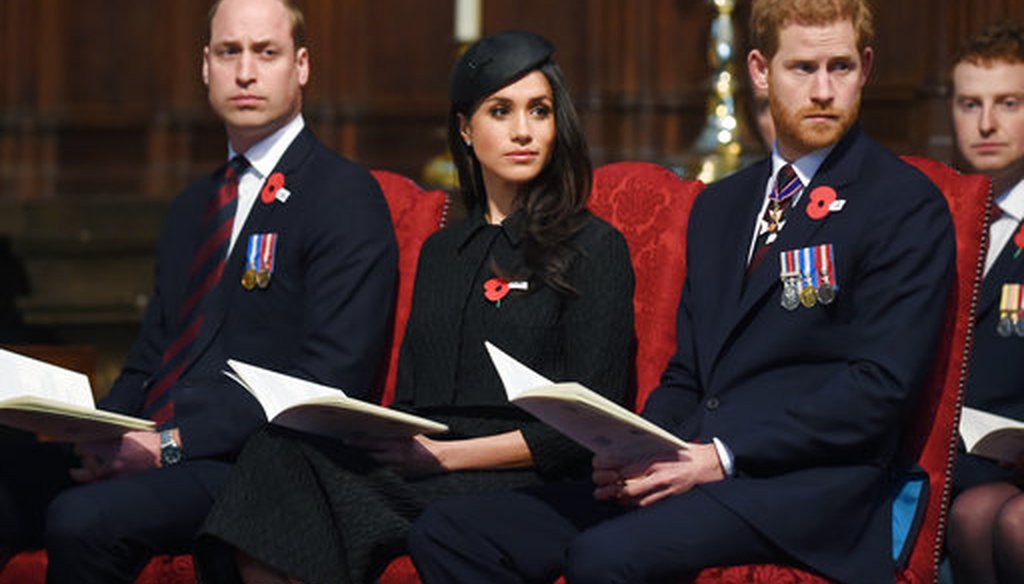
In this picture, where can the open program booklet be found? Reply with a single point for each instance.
(587, 417)
(310, 407)
(55, 402)
(992, 436)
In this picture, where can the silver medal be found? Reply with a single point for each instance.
(791, 294)
(826, 293)
(1005, 327)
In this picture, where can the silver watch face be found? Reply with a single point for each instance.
(170, 454)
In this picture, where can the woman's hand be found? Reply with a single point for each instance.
(422, 456)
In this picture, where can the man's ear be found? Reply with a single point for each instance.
(206, 66)
(866, 60)
(757, 67)
(302, 62)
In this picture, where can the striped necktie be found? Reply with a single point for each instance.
(787, 185)
(207, 268)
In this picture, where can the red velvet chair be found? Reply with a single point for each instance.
(650, 206)
(931, 438)
(416, 214)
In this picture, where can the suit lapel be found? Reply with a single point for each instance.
(728, 262)
(838, 171)
(259, 216)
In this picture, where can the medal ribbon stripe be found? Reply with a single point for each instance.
(824, 256)
(788, 267)
(808, 267)
(787, 183)
(1004, 300)
(267, 252)
(207, 268)
(252, 252)
(1018, 302)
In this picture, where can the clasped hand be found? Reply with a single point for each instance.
(640, 483)
(133, 452)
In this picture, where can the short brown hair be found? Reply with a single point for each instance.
(768, 17)
(998, 43)
(294, 14)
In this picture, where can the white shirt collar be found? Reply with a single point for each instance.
(265, 154)
(1011, 201)
(806, 166)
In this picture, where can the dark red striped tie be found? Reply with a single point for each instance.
(787, 185)
(206, 271)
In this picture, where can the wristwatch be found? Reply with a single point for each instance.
(170, 450)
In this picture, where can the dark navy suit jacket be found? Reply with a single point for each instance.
(812, 402)
(995, 381)
(324, 316)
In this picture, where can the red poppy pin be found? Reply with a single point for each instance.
(1018, 240)
(270, 190)
(823, 201)
(495, 289)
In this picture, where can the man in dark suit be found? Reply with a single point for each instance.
(285, 258)
(815, 294)
(988, 114)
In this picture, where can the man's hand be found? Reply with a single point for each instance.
(133, 452)
(411, 457)
(641, 483)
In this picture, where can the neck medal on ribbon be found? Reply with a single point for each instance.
(259, 260)
(1011, 311)
(808, 276)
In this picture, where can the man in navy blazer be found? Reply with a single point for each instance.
(988, 114)
(301, 280)
(815, 294)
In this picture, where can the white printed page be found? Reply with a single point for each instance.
(276, 391)
(24, 376)
(515, 376)
(975, 424)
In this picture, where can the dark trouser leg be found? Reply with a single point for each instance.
(507, 537)
(31, 475)
(665, 543)
(105, 532)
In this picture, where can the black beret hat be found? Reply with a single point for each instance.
(494, 62)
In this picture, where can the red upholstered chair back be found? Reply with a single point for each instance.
(931, 435)
(650, 205)
(416, 214)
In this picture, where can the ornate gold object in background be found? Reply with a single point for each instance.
(718, 150)
(440, 170)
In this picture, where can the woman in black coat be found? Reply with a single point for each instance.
(530, 270)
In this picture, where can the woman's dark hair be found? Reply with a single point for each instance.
(555, 202)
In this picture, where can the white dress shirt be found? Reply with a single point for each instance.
(262, 157)
(1000, 233)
